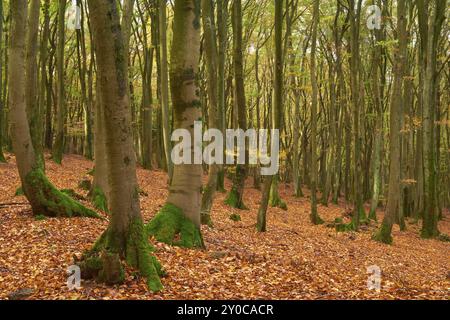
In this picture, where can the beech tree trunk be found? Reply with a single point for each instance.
(125, 239)
(235, 197)
(179, 221)
(44, 198)
(58, 145)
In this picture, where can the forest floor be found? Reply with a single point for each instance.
(293, 260)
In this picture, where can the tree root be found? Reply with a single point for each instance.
(104, 262)
(171, 226)
(46, 200)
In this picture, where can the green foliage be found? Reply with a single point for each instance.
(171, 226)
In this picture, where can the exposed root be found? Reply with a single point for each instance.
(104, 262)
(171, 226)
(46, 200)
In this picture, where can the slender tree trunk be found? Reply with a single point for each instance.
(2, 157)
(33, 112)
(430, 216)
(235, 197)
(355, 62)
(58, 146)
(269, 187)
(213, 119)
(314, 216)
(222, 35)
(165, 85)
(44, 99)
(393, 205)
(378, 81)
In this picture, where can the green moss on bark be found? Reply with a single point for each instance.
(275, 200)
(373, 215)
(383, 235)
(99, 200)
(104, 262)
(234, 201)
(138, 255)
(46, 200)
(171, 226)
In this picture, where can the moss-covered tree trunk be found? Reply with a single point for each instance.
(125, 239)
(58, 145)
(235, 197)
(44, 198)
(179, 221)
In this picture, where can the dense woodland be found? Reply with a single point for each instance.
(91, 92)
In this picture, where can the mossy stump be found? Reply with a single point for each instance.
(172, 227)
(48, 201)
(105, 261)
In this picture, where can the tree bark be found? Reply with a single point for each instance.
(58, 145)
(125, 238)
(179, 221)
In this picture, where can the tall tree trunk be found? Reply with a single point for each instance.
(44, 98)
(277, 110)
(222, 37)
(213, 114)
(125, 238)
(355, 62)
(393, 205)
(235, 197)
(82, 71)
(164, 90)
(2, 157)
(33, 112)
(314, 216)
(58, 146)
(377, 84)
(276, 113)
(430, 215)
(179, 221)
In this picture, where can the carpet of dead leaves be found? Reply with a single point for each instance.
(293, 260)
